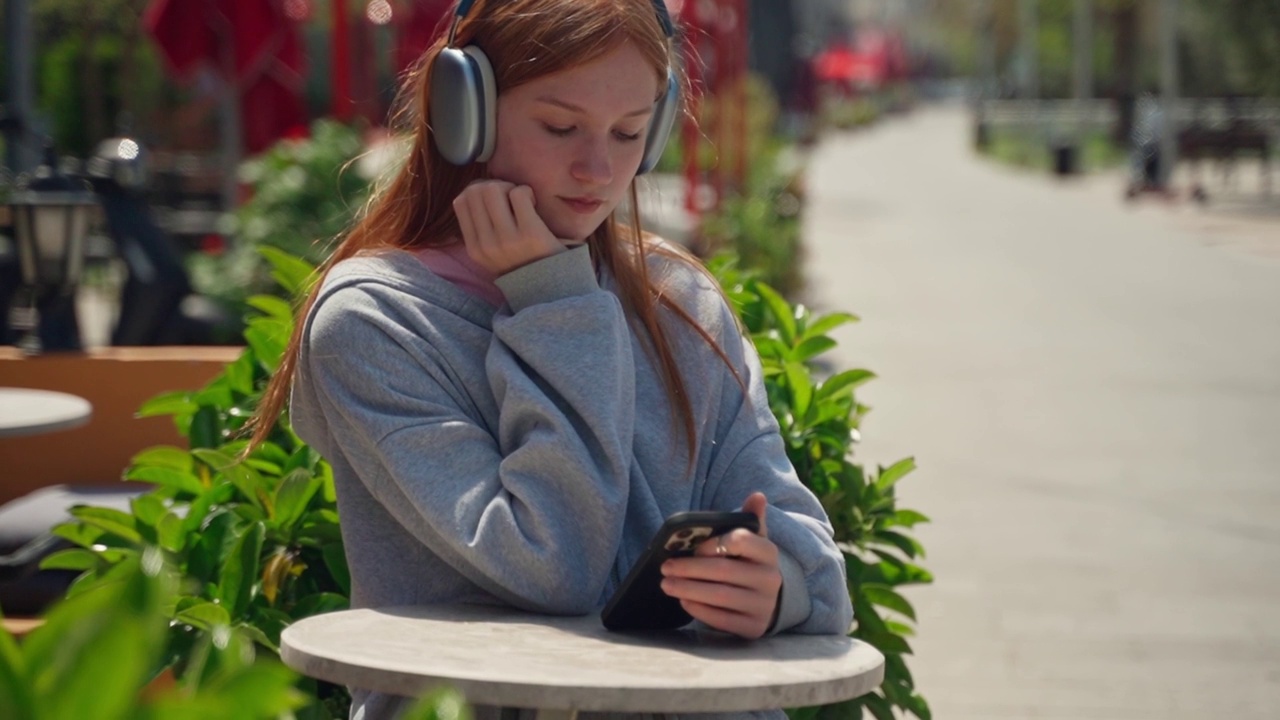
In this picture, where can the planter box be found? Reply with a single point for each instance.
(117, 381)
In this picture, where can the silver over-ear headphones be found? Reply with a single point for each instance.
(464, 99)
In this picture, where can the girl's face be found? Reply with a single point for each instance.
(576, 137)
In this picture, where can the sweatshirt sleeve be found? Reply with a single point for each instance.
(752, 457)
(531, 510)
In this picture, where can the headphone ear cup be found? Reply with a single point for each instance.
(489, 111)
(664, 117)
(463, 105)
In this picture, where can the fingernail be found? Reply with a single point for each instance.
(666, 568)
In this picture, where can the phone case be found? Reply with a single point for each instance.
(639, 603)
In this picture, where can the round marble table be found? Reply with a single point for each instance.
(562, 665)
(29, 412)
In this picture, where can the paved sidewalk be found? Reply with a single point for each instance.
(1092, 393)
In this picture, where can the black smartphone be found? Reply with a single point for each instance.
(639, 603)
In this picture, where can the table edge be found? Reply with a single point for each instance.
(82, 418)
(591, 698)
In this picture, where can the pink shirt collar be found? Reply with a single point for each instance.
(452, 263)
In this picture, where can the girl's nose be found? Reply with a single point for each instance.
(593, 164)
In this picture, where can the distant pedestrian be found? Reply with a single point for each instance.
(1145, 142)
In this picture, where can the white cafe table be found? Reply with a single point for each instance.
(563, 665)
(24, 411)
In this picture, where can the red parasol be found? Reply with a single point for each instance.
(252, 43)
(418, 30)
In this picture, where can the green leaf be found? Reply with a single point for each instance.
(442, 704)
(217, 394)
(895, 473)
(261, 691)
(240, 571)
(907, 518)
(215, 459)
(884, 596)
(908, 545)
(272, 307)
(204, 615)
(198, 513)
(272, 453)
(294, 274)
(919, 707)
(295, 491)
(239, 374)
(801, 387)
(320, 603)
(898, 628)
(15, 685)
(179, 481)
(96, 650)
(78, 533)
(780, 311)
(263, 466)
(808, 713)
(206, 428)
(769, 347)
(250, 484)
(164, 456)
(70, 559)
(827, 323)
(172, 403)
(328, 490)
(812, 347)
(254, 633)
(878, 706)
(147, 509)
(268, 339)
(843, 383)
(887, 642)
(896, 670)
(120, 524)
(170, 533)
(895, 571)
(335, 559)
(214, 540)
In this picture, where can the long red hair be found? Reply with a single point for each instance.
(524, 40)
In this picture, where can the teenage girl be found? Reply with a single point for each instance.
(514, 384)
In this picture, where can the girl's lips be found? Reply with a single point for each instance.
(585, 206)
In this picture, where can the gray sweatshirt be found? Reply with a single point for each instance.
(525, 455)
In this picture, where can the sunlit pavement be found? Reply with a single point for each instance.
(1092, 393)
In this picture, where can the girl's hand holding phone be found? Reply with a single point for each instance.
(501, 228)
(732, 581)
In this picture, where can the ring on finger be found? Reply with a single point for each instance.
(721, 550)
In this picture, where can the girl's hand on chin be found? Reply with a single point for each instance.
(501, 228)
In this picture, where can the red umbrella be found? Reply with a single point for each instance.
(252, 43)
(419, 29)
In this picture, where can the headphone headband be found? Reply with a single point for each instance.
(659, 6)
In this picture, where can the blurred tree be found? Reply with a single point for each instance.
(1251, 53)
(92, 66)
(1226, 48)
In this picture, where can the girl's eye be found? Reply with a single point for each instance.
(558, 131)
(628, 138)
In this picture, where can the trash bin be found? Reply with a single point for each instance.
(981, 135)
(1065, 160)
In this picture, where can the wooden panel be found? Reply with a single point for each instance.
(117, 381)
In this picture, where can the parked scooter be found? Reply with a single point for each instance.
(157, 304)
